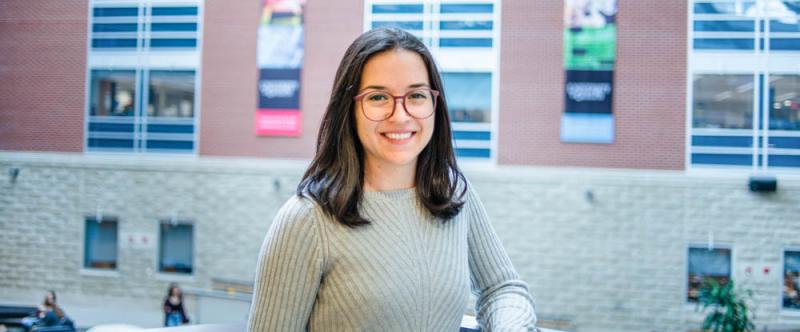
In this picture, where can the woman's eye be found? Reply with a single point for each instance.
(418, 95)
(377, 97)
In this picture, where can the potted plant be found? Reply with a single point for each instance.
(729, 310)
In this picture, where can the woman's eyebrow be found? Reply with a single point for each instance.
(376, 87)
(380, 87)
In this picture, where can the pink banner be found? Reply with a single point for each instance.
(275, 122)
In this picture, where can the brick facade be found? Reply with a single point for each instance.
(43, 75)
(229, 97)
(649, 95)
(649, 101)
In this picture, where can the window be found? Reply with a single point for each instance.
(176, 248)
(469, 97)
(462, 35)
(723, 101)
(100, 243)
(143, 66)
(119, 28)
(745, 104)
(113, 93)
(785, 102)
(705, 264)
(791, 279)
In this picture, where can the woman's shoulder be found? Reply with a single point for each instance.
(299, 211)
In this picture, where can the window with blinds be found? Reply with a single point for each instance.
(462, 35)
(143, 68)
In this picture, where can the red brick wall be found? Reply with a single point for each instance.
(229, 95)
(649, 87)
(42, 74)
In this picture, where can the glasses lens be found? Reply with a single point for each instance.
(377, 105)
(420, 103)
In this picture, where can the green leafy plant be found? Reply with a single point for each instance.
(729, 310)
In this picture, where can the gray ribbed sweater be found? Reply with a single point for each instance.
(404, 272)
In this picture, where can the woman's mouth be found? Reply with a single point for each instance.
(399, 137)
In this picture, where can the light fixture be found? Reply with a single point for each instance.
(13, 173)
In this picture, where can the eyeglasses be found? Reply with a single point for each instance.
(379, 105)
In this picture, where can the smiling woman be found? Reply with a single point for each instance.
(385, 233)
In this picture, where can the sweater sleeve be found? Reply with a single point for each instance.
(504, 303)
(289, 270)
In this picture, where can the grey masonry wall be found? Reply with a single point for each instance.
(603, 250)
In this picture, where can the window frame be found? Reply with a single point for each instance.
(698, 245)
(751, 62)
(142, 60)
(784, 311)
(175, 276)
(94, 271)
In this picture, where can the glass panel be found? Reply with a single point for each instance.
(722, 159)
(465, 42)
(723, 44)
(173, 26)
(791, 7)
(782, 26)
(114, 27)
(406, 25)
(791, 280)
(739, 8)
(174, 11)
(746, 26)
(171, 94)
(397, 9)
(784, 94)
(723, 101)
(113, 93)
(466, 8)
(704, 263)
(128, 11)
(466, 25)
(173, 42)
(784, 44)
(473, 153)
(469, 96)
(100, 246)
(176, 247)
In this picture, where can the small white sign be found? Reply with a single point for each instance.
(137, 240)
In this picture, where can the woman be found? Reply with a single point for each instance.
(48, 314)
(384, 233)
(174, 315)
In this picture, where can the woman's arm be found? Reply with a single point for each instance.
(504, 303)
(289, 271)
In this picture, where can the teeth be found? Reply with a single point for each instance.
(398, 135)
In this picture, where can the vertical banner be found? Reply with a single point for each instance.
(590, 44)
(280, 59)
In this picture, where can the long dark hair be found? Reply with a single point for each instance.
(335, 178)
(173, 286)
(53, 305)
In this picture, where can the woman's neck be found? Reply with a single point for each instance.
(382, 177)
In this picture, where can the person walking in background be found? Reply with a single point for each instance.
(174, 315)
(384, 232)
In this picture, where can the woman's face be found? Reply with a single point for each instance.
(398, 140)
(49, 298)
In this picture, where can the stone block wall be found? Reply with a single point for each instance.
(604, 250)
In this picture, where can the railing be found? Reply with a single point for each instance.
(242, 327)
